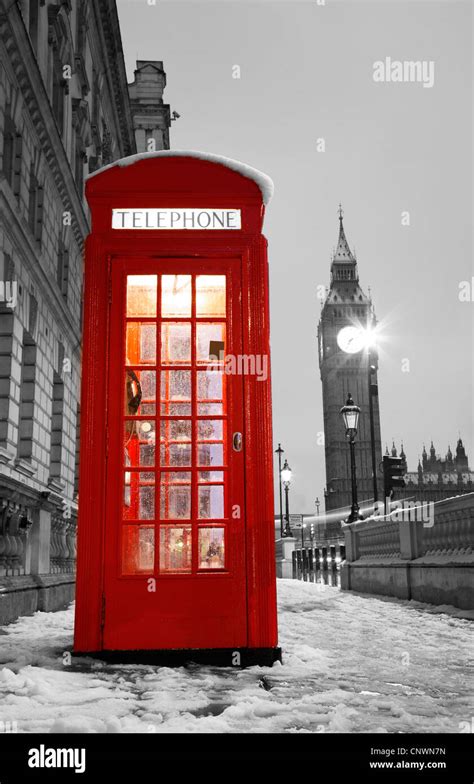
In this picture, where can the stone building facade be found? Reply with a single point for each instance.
(344, 369)
(64, 112)
(436, 478)
(151, 116)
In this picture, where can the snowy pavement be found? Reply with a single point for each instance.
(352, 663)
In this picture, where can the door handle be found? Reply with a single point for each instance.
(237, 442)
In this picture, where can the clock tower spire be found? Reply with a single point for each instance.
(343, 251)
(344, 360)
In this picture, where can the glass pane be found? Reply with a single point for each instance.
(210, 454)
(210, 391)
(175, 430)
(176, 409)
(147, 454)
(139, 442)
(176, 392)
(210, 476)
(175, 295)
(175, 548)
(175, 343)
(141, 343)
(210, 408)
(140, 392)
(210, 385)
(211, 548)
(210, 295)
(173, 452)
(210, 342)
(176, 455)
(139, 495)
(138, 549)
(175, 501)
(211, 501)
(141, 295)
(210, 430)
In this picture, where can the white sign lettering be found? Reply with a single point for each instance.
(196, 219)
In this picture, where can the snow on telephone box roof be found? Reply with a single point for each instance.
(262, 180)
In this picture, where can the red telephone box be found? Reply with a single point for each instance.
(176, 532)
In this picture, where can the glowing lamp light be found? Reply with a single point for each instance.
(286, 474)
(350, 414)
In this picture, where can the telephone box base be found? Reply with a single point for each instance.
(219, 657)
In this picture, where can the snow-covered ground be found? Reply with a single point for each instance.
(352, 663)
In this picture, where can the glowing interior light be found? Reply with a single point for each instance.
(176, 295)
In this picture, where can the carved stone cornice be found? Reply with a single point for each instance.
(6, 457)
(82, 74)
(56, 485)
(25, 467)
(81, 119)
(162, 109)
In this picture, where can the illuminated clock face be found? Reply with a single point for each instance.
(350, 340)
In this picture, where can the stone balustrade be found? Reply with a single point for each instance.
(16, 520)
(37, 552)
(15, 523)
(380, 540)
(453, 531)
(406, 555)
(63, 544)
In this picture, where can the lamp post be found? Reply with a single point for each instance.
(279, 452)
(317, 504)
(286, 479)
(350, 414)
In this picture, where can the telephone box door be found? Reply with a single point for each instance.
(175, 519)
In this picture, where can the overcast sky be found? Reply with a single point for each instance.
(307, 73)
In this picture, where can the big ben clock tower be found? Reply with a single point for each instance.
(344, 362)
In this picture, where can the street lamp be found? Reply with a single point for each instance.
(279, 452)
(318, 504)
(286, 479)
(350, 414)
